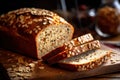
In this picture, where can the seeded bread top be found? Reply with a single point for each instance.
(28, 21)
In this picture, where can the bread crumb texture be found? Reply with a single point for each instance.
(86, 61)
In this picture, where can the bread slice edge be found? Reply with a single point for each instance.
(75, 51)
(86, 66)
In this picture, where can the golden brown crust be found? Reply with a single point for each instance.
(28, 22)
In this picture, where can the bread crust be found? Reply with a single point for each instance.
(87, 66)
(69, 45)
(19, 29)
(28, 22)
(74, 51)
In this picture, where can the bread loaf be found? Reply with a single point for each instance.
(86, 61)
(69, 45)
(33, 32)
(77, 50)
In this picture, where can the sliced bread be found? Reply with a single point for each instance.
(86, 61)
(74, 51)
(69, 45)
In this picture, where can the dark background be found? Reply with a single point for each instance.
(7, 5)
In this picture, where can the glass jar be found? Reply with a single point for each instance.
(108, 18)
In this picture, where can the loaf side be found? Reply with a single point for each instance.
(28, 28)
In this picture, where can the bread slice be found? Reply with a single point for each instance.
(69, 45)
(33, 32)
(86, 61)
(74, 51)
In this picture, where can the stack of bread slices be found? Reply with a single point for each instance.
(79, 54)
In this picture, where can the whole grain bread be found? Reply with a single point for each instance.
(74, 51)
(33, 32)
(69, 45)
(87, 61)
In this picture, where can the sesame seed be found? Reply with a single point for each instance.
(30, 22)
(43, 13)
(40, 19)
(30, 32)
(70, 52)
(22, 18)
(36, 31)
(35, 20)
(50, 22)
(68, 55)
(32, 65)
(39, 28)
(45, 19)
(76, 53)
(73, 43)
(11, 22)
(62, 20)
(23, 26)
(26, 26)
(41, 67)
(27, 17)
(79, 39)
(44, 23)
(9, 69)
(66, 47)
(73, 53)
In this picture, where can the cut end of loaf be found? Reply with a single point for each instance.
(86, 61)
(69, 46)
(52, 37)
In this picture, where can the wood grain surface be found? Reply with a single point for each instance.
(22, 67)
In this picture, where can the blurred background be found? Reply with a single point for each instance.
(99, 17)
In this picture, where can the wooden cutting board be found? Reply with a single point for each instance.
(21, 67)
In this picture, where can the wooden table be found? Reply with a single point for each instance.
(111, 76)
(19, 67)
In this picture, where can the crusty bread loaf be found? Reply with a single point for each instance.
(87, 61)
(74, 51)
(69, 45)
(33, 32)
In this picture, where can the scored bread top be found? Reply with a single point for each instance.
(28, 21)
